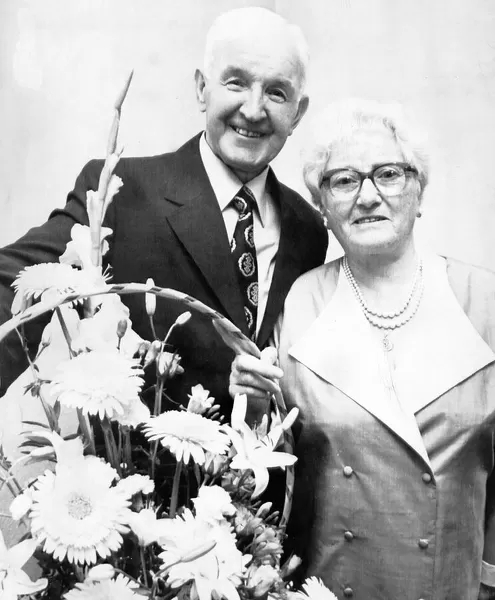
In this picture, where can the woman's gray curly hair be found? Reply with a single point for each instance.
(340, 120)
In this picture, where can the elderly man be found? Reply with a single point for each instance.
(184, 218)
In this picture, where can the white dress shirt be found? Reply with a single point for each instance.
(266, 219)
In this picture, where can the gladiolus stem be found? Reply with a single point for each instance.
(175, 489)
(65, 331)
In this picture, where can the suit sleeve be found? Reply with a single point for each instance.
(39, 245)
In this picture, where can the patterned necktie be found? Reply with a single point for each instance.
(244, 255)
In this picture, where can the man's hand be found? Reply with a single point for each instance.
(257, 378)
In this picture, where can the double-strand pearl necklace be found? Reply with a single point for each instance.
(391, 320)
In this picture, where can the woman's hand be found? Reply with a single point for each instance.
(257, 378)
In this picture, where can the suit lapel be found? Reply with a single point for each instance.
(288, 261)
(198, 223)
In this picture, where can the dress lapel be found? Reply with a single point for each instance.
(440, 343)
(198, 223)
(341, 348)
(437, 350)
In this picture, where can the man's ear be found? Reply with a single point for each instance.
(301, 111)
(200, 89)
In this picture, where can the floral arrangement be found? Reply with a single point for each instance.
(175, 514)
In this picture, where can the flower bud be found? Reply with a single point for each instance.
(121, 328)
(152, 352)
(168, 364)
(150, 299)
(21, 505)
(183, 318)
(264, 509)
(101, 572)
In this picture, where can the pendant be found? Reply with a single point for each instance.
(387, 344)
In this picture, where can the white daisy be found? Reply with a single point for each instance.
(77, 513)
(14, 581)
(99, 383)
(187, 435)
(315, 589)
(36, 280)
(205, 554)
(120, 588)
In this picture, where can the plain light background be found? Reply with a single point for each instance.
(62, 64)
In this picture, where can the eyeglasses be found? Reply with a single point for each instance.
(389, 179)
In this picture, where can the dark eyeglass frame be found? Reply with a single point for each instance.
(369, 175)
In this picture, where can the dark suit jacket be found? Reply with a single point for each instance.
(167, 225)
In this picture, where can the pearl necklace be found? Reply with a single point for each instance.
(362, 301)
(388, 321)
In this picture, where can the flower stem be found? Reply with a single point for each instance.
(143, 566)
(175, 489)
(86, 430)
(50, 413)
(128, 450)
(110, 445)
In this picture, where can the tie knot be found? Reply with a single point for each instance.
(244, 201)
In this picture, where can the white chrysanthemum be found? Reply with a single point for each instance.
(77, 512)
(315, 589)
(213, 504)
(99, 383)
(120, 588)
(136, 483)
(205, 554)
(187, 435)
(147, 527)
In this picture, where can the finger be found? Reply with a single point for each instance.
(244, 378)
(250, 364)
(269, 354)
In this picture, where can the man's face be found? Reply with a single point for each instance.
(252, 100)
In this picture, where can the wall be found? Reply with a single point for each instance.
(61, 65)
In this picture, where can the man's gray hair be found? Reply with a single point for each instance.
(254, 21)
(340, 120)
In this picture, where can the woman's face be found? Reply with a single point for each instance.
(371, 222)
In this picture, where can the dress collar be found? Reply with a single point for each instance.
(434, 352)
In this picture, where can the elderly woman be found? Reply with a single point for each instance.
(388, 353)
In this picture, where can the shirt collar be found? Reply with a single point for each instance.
(225, 184)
